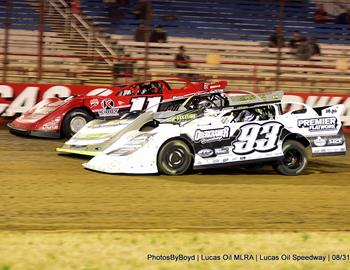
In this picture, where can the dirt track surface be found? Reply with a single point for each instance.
(41, 190)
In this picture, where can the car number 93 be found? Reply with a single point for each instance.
(256, 137)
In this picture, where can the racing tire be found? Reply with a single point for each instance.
(294, 161)
(74, 121)
(174, 158)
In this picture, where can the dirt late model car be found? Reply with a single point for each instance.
(252, 129)
(99, 134)
(55, 117)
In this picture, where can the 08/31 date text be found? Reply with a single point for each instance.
(340, 257)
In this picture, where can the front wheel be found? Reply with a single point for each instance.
(294, 161)
(174, 158)
(74, 121)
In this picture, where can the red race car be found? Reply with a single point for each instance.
(55, 117)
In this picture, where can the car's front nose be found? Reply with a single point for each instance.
(131, 164)
(33, 125)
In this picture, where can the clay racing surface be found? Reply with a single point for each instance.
(41, 190)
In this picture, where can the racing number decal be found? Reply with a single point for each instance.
(256, 137)
(137, 104)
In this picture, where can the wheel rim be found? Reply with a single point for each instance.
(77, 123)
(292, 159)
(176, 158)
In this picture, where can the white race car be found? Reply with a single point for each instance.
(248, 129)
(99, 134)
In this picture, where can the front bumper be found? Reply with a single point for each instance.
(35, 133)
(121, 165)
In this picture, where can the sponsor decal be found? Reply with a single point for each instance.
(108, 112)
(215, 86)
(329, 149)
(107, 103)
(222, 151)
(94, 102)
(178, 97)
(212, 135)
(184, 117)
(78, 146)
(247, 98)
(17, 98)
(335, 141)
(327, 141)
(52, 125)
(257, 137)
(204, 153)
(108, 108)
(319, 142)
(321, 100)
(318, 124)
(331, 111)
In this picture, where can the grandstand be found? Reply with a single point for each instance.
(78, 47)
(230, 20)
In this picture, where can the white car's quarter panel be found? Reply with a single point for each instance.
(143, 160)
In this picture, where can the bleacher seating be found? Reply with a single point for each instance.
(246, 64)
(68, 56)
(22, 15)
(219, 19)
(235, 31)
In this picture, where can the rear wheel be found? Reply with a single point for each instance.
(174, 158)
(74, 121)
(294, 161)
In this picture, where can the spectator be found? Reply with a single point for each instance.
(123, 67)
(304, 50)
(181, 59)
(158, 35)
(343, 18)
(141, 9)
(276, 39)
(75, 6)
(296, 40)
(320, 15)
(141, 33)
(114, 46)
(315, 48)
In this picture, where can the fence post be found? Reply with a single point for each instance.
(255, 75)
(7, 24)
(147, 32)
(41, 39)
(279, 45)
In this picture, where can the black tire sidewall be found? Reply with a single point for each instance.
(284, 169)
(66, 130)
(169, 147)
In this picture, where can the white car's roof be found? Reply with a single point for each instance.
(253, 98)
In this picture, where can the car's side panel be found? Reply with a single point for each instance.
(322, 129)
(235, 142)
(112, 160)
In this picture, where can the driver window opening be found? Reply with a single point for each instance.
(261, 113)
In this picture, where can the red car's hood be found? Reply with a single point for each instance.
(40, 110)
